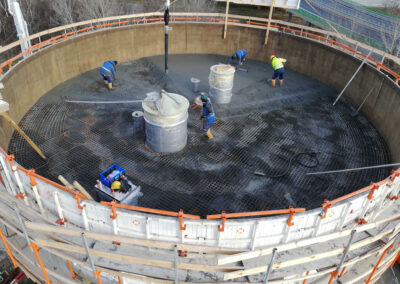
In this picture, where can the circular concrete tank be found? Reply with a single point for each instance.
(166, 122)
(221, 83)
(265, 131)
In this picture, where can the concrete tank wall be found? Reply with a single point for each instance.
(33, 77)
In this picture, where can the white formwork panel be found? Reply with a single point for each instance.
(69, 205)
(98, 218)
(272, 226)
(131, 224)
(332, 219)
(303, 226)
(270, 231)
(165, 228)
(46, 193)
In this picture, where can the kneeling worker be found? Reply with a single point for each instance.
(107, 70)
(279, 70)
(208, 116)
(239, 56)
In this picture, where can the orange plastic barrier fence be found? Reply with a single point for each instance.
(149, 210)
(222, 20)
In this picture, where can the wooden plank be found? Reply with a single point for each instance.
(136, 260)
(285, 247)
(128, 240)
(306, 259)
(226, 18)
(271, 9)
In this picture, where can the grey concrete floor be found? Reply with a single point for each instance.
(263, 129)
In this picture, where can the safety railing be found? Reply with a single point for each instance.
(350, 46)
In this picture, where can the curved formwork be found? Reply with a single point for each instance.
(354, 237)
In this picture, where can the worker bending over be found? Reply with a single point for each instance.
(239, 56)
(208, 116)
(108, 70)
(279, 70)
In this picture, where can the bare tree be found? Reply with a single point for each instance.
(64, 11)
(390, 37)
(193, 6)
(95, 9)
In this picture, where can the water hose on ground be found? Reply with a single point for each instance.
(295, 157)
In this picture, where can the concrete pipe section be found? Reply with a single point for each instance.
(221, 83)
(166, 122)
(265, 140)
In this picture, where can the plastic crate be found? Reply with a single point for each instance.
(106, 178)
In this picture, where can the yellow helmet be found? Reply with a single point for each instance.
(272, 56)
(116, 185)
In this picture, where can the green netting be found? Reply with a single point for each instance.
(351, 34)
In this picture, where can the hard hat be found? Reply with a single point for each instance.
(204, 98)
(272, 56)
(116, 185)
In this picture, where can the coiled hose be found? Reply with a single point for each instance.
(312, 155)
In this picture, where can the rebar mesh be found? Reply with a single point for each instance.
(261, 130)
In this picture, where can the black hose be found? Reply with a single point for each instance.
(295, 157)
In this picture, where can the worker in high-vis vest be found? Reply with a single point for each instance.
(108, 70)
(279, 70)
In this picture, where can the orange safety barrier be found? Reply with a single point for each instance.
(36, 251)
(119, 280)
(8, 249)
(113, 24)
(113, 205)
(154, 19)
(73, 275)
(222, 20)
(224, 216)
(183, 18)
(377, 264)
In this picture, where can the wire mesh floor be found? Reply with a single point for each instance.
(264, 129)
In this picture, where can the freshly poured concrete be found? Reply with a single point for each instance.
(262, 130)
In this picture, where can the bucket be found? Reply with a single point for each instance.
(195, 83)
(221, 83)
(138, 123)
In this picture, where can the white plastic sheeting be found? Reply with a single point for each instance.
(244, 233)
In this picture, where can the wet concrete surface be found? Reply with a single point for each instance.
(283, 132)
